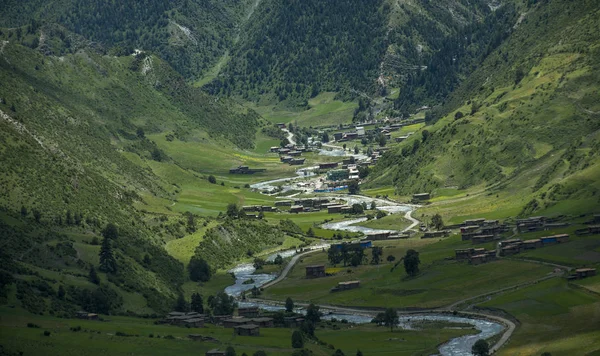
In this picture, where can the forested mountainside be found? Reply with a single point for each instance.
(297, 49)
(527, 119)
(72, 131)
(190, 35)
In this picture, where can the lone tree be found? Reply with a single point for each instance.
(93, 276)
(197, 304)
(391, 258)
(312, 313)
(481, 348)
(278, 260)
(411, 262)
(376, 253)
(297, 340)
(212, 179)
(289, 305)
(181, 304)
(437, 222)
(199, 269)
(390, 318)
(232, 210)
(353, 187)
(108, 263)
(259, 263)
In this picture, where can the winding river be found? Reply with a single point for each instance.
(245, 272)
(455, 347)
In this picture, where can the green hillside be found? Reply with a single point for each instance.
(78, 151)
(522, 129)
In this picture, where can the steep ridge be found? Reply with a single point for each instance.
(72, 131)
(525, 121)
(190, 35)
(295, 50)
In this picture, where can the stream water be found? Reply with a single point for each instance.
(455, 347)
(245, 272)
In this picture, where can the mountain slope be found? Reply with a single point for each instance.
(73, 148)
(190, 35)
(525, 122)
(298, 49)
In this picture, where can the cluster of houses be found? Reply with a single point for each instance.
(514, 246)
(475, 256)
(360, 132)
(481, 230)
(385, 235)
(291, 154)
(538, 223)
(258, 208)
(434, 234)
(192, 319)
(590, 230)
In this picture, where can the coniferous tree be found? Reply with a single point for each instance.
(297, 340)
(199, 269)
(37, 215)
(197, 303)
(411, 262)
(289, 305)
(93, 276)
(108, 263)
(181, 304)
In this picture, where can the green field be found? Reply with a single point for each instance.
(145, 338)
(440, 282)
(555, 317)
(324, 111)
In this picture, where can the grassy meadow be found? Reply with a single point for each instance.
(441, 281)
(119, 335)
(324, 110)
(554, 316)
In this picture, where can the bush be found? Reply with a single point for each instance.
(32, 325)
(76, 328)
(46, 333)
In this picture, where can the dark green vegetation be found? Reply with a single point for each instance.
(293, 51)
(190, 35)
(297, 49)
